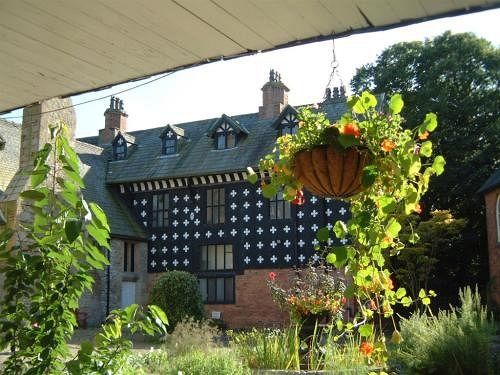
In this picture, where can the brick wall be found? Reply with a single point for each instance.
(493, 248)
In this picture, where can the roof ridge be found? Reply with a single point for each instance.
(12, 123)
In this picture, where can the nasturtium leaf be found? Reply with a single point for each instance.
(365, 330)
(396, 104)
(331, 258)
(323, 234)
(347, 141)
(340, 253)
(392, 228)
(438, 165)
(406, 301)
(355, 104)
(400, 293)
(387, 204)
(251, 175)
(269, 191)
(426, 149)
(415, 166)
(72, 228)
(33, 194)
(430, 122)
(369, 176)
(426, 301)
(340, 229)
(369, 100)
(421, 293)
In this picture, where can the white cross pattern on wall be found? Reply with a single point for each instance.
(197, 209)
(135, 202)
(186, 262)
(260, 217)
(197, 222)
(144, 201)
(315, 242)
(246, 231)
(233, 219)
(286, 229)
(153, 250)
(246, 205)
(197, 196)
(259, 191)
(143, 213)
(175, 236)
(164, 249)
(273, 244)
(164, 263)
(344, 241)
(164, 236)
(246, 260)
(342, 211)
(300, 228)
(153, 263)
(175, 223)
(170, 134)
(246, 218)
(302, 257)
(120, 141)
(315, 257)
(175, 262)
(328, 212)
(233, 193)
(287, 243)
(233, 206)
(300, 214)
(175, 211)
(208, 234)
(301, 243)
(260, 230)
(196, 235)
(260, 245)
(175, 249)
(220, 232)
(260, 259)
(186, 210)
(287, 258)
(313, 199)
(329, 226)
(176, 198)
(153, 237)
(273, 259)
(186, 222)
(246, 192)
(186, 198)
(314, 213)
(314, 227)
(246, 246)
(185, 248)
(259, 204)
(272, 230)
(329, 241)
(233, 232)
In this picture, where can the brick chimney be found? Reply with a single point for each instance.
(115, 120)
(274, 96)
(35, 127)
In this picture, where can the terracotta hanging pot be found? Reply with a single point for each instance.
(331, 173)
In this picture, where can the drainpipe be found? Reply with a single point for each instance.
(108, 277)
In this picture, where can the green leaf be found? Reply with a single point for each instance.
(323, 234)
(340, 229)
(430, 122)
(400, 293)
(396, 104)
(33, 195)
(99, 215)
(72, 228)
(387, 204)
(331, 258)
(426, 301)
(426, 149)
(406, 301)
(366, 330)
(269, 191)
(158, 313)
(368, 100)
(421, 293)
(369, 176)
(340, 253)
(251, 175)
(438, 165)
(39, 175)
(355, 104)
(392, 228)
(347, 140)
(100, 235)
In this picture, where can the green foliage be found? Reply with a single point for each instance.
(177, 293)
(215, 362)
(457, 341)
(455, 76)
(345, 357)
(417, 267)
(48, 269)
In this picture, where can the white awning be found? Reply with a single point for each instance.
(65, 47)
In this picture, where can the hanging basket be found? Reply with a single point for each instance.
(331, 173)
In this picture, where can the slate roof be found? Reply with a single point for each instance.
(198, 156)
(10, 132)
(491, 183)
(93, 169)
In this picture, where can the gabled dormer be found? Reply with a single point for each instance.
(170, 138)
(122, 145)
(287, 122)
(227, 132)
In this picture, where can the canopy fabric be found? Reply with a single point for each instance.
(65, 47)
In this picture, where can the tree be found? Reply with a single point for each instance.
(457, 77)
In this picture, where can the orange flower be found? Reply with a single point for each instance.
(351, 129)
(390, 284)
(418, 209)
(366, 348)
(373, 305)
(387, 145)
(272, 276)
(424, 135)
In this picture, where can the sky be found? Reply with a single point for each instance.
(233, 87)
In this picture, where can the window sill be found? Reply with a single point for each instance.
(167, 156)
(225, 149)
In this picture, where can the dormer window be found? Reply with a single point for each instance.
(170, 139)
(119, 148)
(225, 136)
(227, 132)
(287, 122)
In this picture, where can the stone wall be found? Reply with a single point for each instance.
(493, 248)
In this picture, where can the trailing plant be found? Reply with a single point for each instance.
(397, 175)
(455, 341)
(47, 267)
(315, 291)
(178, 294)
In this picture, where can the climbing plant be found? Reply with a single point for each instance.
(47, 263)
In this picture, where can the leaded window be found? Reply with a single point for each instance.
(217, 289)
(279, 208)
(289, 125)
(169, 146)
(225, 137)
(216, 285)
(119, 149)
(216, 206)
(216, 257)
(160, 210)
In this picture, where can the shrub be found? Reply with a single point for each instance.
(190, 335)
(457, 341)
(177, 293)
(215, 362)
